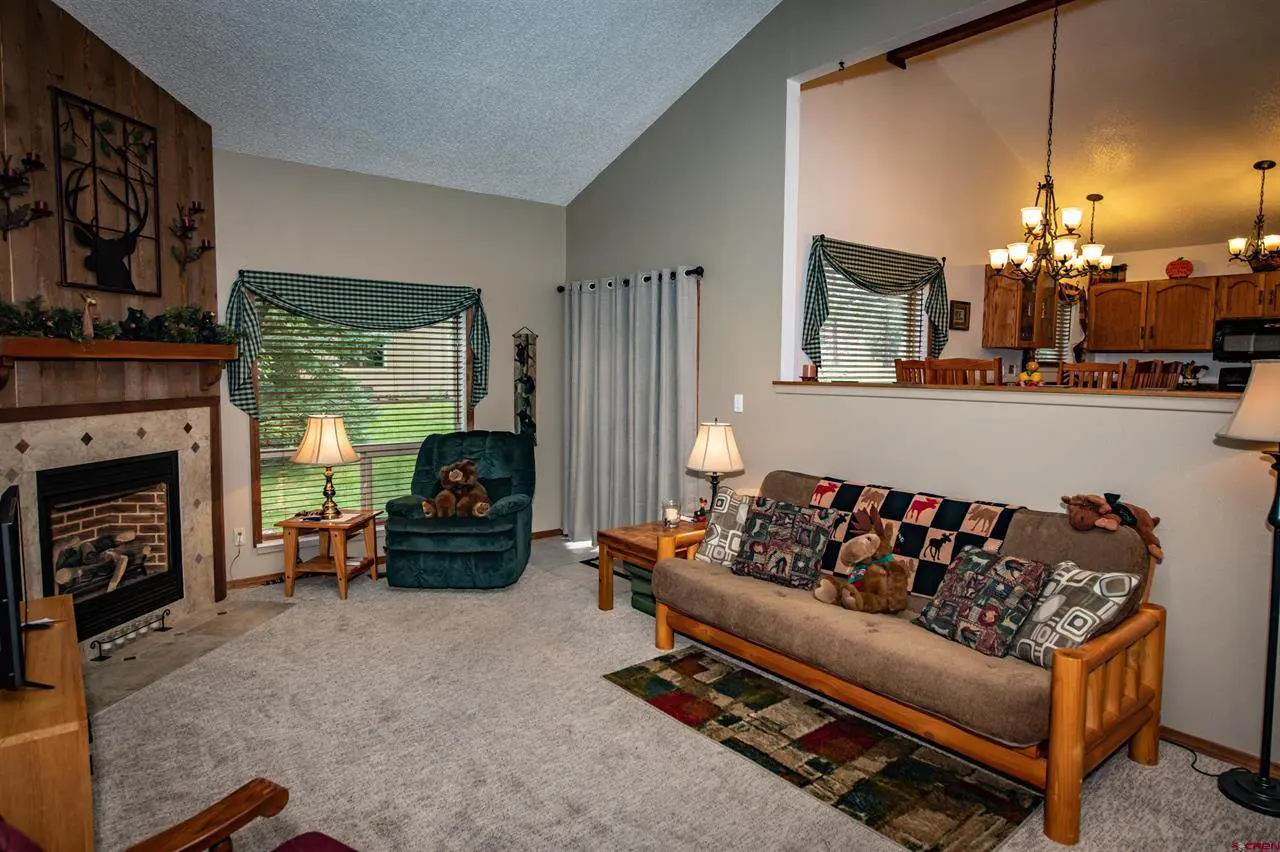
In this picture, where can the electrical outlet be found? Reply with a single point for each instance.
(239, 534)
(737, 403)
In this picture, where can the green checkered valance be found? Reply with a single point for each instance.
(353, 302)
(883, 271)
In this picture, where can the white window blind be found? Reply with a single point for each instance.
(1061, 350)
(392, 388)
(865, 332)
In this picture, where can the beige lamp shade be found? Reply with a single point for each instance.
(1257, 416)
(325, 442)
(715, 450)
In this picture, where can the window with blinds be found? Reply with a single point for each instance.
(392, 388)
(865, 332)
(1060, 352)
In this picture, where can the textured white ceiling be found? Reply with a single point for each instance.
(1163, 107)
(528, 99)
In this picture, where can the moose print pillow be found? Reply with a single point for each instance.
(932, 529)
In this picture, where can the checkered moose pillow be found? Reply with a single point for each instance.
(931, 528)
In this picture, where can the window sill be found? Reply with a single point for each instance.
(1206, 401)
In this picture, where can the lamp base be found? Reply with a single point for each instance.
(1249, 790)
(329, 509)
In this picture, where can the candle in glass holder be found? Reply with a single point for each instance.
(670, 513)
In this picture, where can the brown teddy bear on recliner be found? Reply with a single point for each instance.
(869, 578)
(461, 493)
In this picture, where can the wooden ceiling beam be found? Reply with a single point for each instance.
(1003, 18)
(899, 55)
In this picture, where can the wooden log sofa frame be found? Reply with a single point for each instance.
(1103, 694)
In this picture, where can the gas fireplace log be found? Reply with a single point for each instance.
(122, 562)
(67, 553)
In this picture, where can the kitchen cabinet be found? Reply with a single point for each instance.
(1018, 314)
(1180, 315)
(1242, 295)
(1117, 317)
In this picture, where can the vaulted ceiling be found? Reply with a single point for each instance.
(529, 100)
(1163, 107)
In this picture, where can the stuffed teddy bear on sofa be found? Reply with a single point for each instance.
(460, 495)
(869, 578)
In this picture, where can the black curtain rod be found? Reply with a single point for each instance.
(695, 272)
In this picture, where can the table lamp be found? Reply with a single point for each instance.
(715, 453)
(325, 442)
(1257, 420)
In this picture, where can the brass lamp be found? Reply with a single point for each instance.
(715, 453)
(325, 442)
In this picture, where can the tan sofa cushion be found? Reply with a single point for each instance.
(1003, 698)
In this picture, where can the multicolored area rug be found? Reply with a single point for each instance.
(911, 793)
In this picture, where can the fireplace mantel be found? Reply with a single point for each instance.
(213, 355)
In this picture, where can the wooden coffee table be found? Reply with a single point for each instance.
(332, 559)
(638, 545)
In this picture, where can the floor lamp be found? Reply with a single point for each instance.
(1257, 420)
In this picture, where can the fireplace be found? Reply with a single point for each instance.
(111, 537)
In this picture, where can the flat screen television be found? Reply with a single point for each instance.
(12, 647)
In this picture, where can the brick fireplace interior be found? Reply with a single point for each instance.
(111, 537)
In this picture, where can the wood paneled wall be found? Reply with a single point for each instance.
(42, 46)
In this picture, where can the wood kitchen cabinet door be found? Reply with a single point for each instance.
(1180, 315)
(1242, 295)
(1271, 294)
(1045, 324)
(1001, 302)
(1117, 317)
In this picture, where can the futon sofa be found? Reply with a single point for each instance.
(465, 553)
(1045, 727)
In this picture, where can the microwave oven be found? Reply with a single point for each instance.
(1241, 340)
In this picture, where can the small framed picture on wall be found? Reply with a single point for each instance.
(959, 320)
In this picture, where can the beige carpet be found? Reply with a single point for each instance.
(412, 720)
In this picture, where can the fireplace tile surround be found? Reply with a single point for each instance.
(30, 446)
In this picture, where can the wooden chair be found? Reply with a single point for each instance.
(909, 371)
(212, 828)
(1150, 375)
(962, 371)
(1090, 374)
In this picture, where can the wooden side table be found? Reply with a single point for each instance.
(638, 545)
(332, 559)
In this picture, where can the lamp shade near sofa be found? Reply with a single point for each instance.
(715, 453)
(325, 443)
(1257, 420)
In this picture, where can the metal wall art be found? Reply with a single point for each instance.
(526, 382)
(106, 178)
(15, 181)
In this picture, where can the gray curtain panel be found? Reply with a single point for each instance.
(631, 398)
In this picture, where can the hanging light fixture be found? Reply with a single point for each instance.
(1050, 236)
(1262, 253)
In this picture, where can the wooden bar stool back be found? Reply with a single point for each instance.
(909, 371)
(962, 371)
(1089, 374)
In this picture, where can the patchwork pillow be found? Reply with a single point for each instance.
(1074, 606)
(932, 529)
(783, 543)
(724, 528)
(983, 600)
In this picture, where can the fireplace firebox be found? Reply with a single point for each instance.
(111, 537)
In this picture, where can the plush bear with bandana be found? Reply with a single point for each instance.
(460, 495)
(867, 577)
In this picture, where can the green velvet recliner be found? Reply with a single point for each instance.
(465, 553)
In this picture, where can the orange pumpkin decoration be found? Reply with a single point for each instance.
(1180, 268)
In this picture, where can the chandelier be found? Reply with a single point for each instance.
(1262, 253)
(1050, 235)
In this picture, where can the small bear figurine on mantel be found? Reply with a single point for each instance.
(461, 494)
